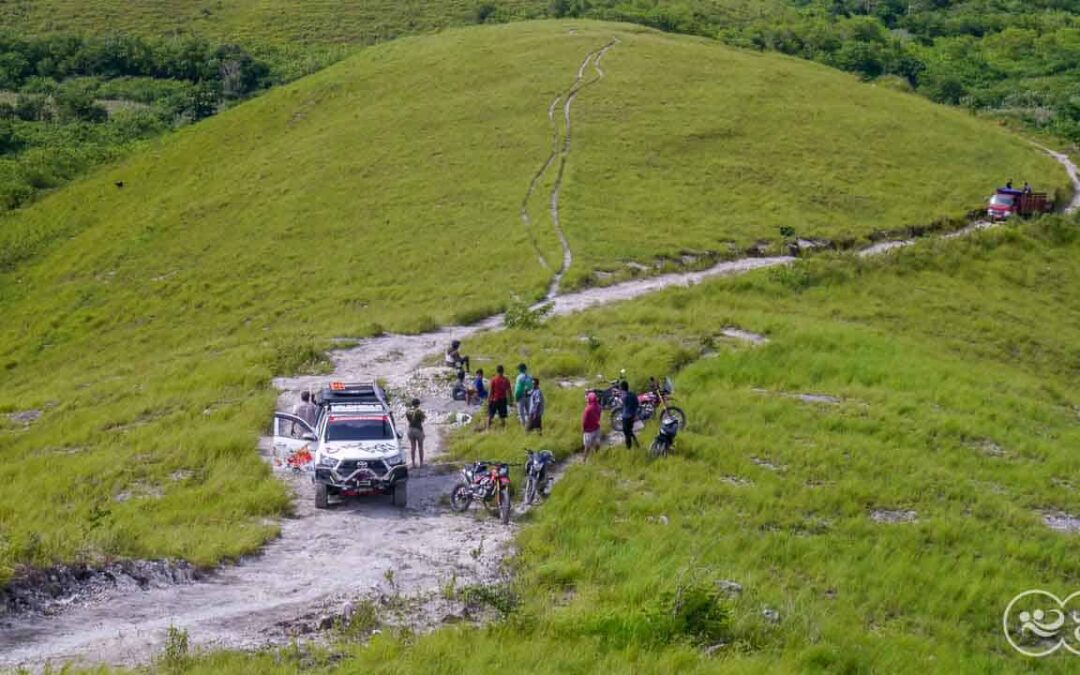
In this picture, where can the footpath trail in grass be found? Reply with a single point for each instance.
(560, 151)
(143, 326)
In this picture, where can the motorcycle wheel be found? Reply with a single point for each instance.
(530, 490)
(616, 419)
(460, 497)
(658, 448)
(504, 505)
(679, 415)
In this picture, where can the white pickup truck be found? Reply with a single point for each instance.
(355, 444)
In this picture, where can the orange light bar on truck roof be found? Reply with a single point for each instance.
(337, 386)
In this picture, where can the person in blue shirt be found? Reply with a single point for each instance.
(629, 414)
(479, 389)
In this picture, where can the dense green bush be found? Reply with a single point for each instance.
(80, 101)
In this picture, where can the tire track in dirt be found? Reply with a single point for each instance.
(560, 150)
(568, 255)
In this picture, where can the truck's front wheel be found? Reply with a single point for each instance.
(400, 494)
(322, 496)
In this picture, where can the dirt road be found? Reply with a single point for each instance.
(325, 558)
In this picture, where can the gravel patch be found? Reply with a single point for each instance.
(1059, 521)
(891, 517)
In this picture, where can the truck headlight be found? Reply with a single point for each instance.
(328, 462)
(397, 460)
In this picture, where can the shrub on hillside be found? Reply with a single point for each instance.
(521, 314)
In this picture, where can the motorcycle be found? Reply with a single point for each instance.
(537, 480)
(610, 397)
(655, 398)
(665, 437)
(487, 482)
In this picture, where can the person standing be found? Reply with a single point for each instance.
(536, 408)
(306, 410)
(499, 397)
(522, 385)
(590, 424)
(416, 417)
(629, 414)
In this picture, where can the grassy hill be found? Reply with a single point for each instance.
(885, 530)
(317, 22)
(145, 322)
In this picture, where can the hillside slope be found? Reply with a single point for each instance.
(316, 22)
(143, 322)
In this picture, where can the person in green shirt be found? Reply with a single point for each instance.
(522, 387)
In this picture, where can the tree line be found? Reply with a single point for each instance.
(69, 102)
(1018, 59)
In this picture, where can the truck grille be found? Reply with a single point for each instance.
(347, 467)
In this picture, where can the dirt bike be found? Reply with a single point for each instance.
(665, 437)
(609, 397)
(656, 398)
(537, 480)
(487, 482)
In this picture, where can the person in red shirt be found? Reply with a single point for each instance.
(498, 396)
(590, 424)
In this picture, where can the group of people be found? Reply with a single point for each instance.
(1026, 189)
(529, 399)
(498, 393)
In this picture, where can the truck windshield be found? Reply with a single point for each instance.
(358, 429)
(1001, 200)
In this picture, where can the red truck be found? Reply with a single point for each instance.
(1008, 202)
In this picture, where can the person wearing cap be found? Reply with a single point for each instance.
(415, 416)
(590, 424)
(454, 359)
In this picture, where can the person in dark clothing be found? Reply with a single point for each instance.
(629, 414)
(536, 408)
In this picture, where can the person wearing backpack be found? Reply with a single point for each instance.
(522, 387)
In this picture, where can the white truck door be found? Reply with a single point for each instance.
(291, 435)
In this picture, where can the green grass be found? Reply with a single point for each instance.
(932, 352)
(745, 144)
(316, 22)
(379, 194)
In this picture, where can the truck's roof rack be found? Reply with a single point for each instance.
(352, 392)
